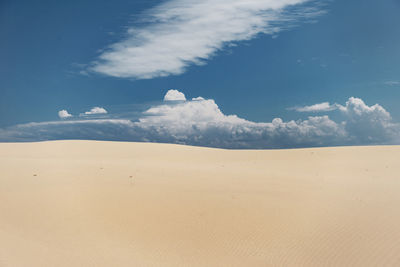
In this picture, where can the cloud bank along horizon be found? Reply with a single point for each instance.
(177, 34)
(200, 122)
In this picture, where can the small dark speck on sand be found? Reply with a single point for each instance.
(35, 175)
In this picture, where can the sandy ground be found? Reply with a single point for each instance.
(87, 203)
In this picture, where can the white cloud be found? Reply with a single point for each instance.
(174, 95)
(201, 122)
(368, 124)
(96, 110)
(199, 98)
(63, 114)
(180, 33)
(321, 107)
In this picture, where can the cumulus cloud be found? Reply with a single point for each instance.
(368, 124)
(201, 122)
(63, 114)
(174, 95)
(179, 33)
(96, 110)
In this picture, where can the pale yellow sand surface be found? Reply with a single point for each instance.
(88, 203)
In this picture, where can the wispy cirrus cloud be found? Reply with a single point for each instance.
(180, 33)
(201, 122)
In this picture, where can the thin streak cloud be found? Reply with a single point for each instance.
(320, 107)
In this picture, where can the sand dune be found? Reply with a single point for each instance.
(87, 203)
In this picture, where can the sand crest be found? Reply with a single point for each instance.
(90, 203)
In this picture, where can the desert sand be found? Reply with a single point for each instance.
(90, 203)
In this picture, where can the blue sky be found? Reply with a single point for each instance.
(52, 59)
